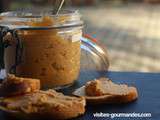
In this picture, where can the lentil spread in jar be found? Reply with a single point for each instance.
(51, 54)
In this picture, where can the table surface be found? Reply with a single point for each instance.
(148, 85)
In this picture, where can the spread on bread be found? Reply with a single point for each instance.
(13, 85)
(47, 103)
(23, 96)
(104, 90)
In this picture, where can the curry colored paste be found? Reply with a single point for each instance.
(49, 56)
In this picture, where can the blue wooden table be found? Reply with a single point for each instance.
(148, 85)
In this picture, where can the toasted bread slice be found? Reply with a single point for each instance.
(45, 103)
(105, 91)
(13, 85)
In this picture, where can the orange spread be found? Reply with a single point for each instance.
(52, 57)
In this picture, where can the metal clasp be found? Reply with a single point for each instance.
(3, 32)
(4, 44)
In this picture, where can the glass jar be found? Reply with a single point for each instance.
(50, 46)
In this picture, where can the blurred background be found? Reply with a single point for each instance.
(130, 29)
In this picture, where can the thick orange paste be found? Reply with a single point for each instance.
(49, 56)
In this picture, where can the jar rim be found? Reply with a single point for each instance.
(36, 13)
(70, 18)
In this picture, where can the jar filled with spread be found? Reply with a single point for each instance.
(42, 45)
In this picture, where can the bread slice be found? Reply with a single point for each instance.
(13, 85)
(45, 103)
(104, 90)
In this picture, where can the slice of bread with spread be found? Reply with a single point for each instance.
(22, 98)
(48, 104)
(13, 85)
(104, 90)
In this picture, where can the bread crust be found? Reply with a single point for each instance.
(13, 85)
